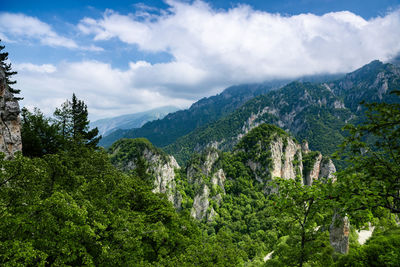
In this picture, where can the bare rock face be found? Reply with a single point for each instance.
(10, 123)
(286, 157)
(160, 168)
(201, 204)
(315, 170)
(304, 147)
(211, 158)
(322, 169)
(206, 167)
(219, 178)
(164, 174)
(339, 234)
(327, 170)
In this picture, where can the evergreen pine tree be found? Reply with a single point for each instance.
(8, 71)
(74, 124)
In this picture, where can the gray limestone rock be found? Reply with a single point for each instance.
(286, 157)
(327, 170)
(163, 171)
(201, 204)
(219, 178)
(339, 233)
(315, 170)
(10, 123)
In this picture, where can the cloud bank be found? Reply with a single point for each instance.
(19, 28)
(212, 49)
(246, 44)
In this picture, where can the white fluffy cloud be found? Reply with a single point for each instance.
(106, 91)
(22, 26)
(242, 44)
(211, 49)
(44, 68)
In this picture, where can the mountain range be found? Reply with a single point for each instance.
(130, 121)
(312, 108)
(162, 132)
(221, 172)
(315, 112)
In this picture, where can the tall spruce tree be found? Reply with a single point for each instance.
(72, 118)
(8, 72)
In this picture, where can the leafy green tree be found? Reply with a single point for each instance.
(372, 179)
(74, 208)
(382, 249)
(304, 214)
(8, 71)
(39, 135)
(72, 118)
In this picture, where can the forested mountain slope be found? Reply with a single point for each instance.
(228, 191)
(314, 112)
(165, 131)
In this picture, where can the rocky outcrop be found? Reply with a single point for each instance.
(164, 174)
(327, 170)
(150, 164)
(304, 147)
(211, 157)
(10, 123)
(271, 152)
(339, 233)
(199, 172)
(203, 167)
(321, 168)
(313, 173)
(218, 179)
(286, 156)
(201, 204)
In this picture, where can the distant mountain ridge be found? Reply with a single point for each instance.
(165, 131)
(207, 110)
(129, 121)
(315, 112)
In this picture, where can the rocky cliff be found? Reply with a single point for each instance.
(317, 167)
(268, 152)
(265, 152)
(271, 152)
(339, 232)
(141, 157)
(10, 123)
(203, 172)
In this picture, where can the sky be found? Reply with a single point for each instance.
(124, 57)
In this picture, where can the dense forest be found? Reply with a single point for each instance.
(64, 200)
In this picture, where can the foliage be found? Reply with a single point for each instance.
(72, 118)
(42, 135)
(39, 135)
(382, 249)
(373, 151)
(304, 213)
(75, 208)
(8, 71)
(67, 204)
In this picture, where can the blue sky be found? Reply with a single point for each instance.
(129, 56)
